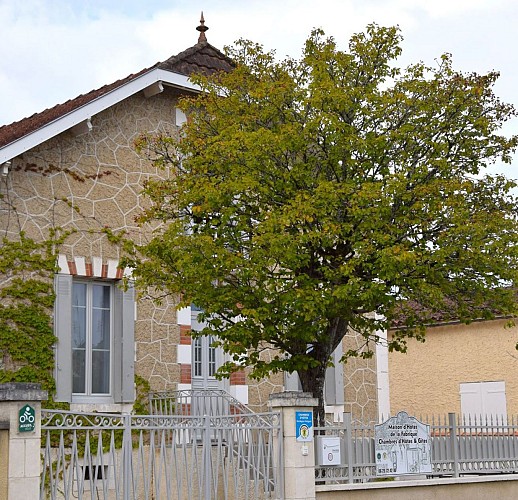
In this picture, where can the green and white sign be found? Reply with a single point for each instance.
(26, 419)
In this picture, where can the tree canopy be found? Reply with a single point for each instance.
(320, 195)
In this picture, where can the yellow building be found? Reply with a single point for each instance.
(466, 369)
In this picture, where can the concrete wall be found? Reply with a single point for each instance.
(503, 487)
(426, 379)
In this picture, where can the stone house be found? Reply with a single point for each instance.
(75, 166)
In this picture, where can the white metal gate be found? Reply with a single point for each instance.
(128, 457)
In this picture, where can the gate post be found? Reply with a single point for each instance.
(298, 446)
(20, 443)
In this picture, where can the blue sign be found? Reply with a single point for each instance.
(304, 426)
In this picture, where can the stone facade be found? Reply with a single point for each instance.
(85, 183)
(360, 383)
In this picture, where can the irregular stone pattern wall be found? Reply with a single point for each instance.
(360, 383)
(94, 180)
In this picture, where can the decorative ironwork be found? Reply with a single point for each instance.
(130, 457)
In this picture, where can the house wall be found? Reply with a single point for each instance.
(89, 182)
(426, 379)
(360, 382)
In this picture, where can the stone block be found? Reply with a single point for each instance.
(24, 488)
(17, 458)
(32, 456)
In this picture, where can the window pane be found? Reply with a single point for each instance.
(100, 372)
(212, 357)
(79, 294)
(101, 296)
(91, 338)
(100, 329)
(78, 327)
(197, 357)
(78, 367)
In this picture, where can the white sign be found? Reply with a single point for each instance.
(402, 446)
(329, 450)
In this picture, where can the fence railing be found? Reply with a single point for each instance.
(459, 446)
(129, 457)
(210, 402)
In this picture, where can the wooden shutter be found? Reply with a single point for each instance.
(334, 384)
(63, 332)
(123, 345)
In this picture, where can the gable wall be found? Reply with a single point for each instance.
(90, 181)
(84, 183)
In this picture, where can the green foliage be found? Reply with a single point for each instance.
(142, 390)
(321, 195)
(26, 303)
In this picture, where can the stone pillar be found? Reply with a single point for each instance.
(20, 443)
(299, 457)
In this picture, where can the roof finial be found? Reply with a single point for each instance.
(202, 29)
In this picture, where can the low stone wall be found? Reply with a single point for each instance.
(502, 486)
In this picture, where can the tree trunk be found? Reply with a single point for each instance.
(312, 381)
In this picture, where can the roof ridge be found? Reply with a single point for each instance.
(187, 53)
(184, 53)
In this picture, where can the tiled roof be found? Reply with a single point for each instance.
(449, 313)
(202, 57)
(16, 130)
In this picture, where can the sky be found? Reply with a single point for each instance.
(54, 50)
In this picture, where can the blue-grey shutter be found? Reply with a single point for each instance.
(124, 345)
(292, 382)
(334, 384)
(63, 332)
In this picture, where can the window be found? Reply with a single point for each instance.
(483, 400)
(204, 357)
(91, 338)
(94, 324)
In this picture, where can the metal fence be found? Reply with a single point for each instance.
(128, 457)
(459, 446)
(211, 402)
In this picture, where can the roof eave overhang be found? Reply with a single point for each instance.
(92, 108)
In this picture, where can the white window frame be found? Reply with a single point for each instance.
(204, 358)
(88, 395)
(123, 343)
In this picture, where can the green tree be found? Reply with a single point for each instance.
(318, 196)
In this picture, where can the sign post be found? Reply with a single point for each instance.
(402, 446)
